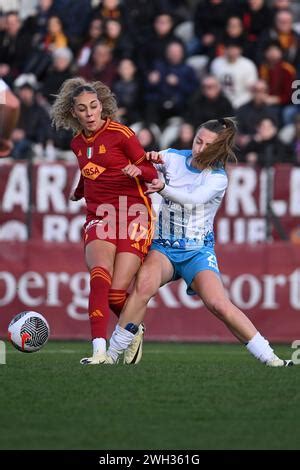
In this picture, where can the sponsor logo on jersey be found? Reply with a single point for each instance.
(102, 149)
(92, 171)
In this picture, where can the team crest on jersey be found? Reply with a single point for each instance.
(92, 171)
(79, 153)
(102, 149)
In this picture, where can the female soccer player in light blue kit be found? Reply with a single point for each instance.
(194, 185)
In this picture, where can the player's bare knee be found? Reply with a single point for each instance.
(146, 285)
(219, 307)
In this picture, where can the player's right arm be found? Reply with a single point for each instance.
(78, 192)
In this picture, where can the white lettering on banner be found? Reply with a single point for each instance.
(75, 229)
(51, 182)
(239, 230)
(223, 230)
(240, 197)
(30, 280)
(53, 282)
(295, 192)
(270, 282)
(262, 198)
(261, 292)
(80, 287)
(237, 291)
(295, 289)
(10, 287)
(13, 230)
(57, 228)
(241, 217)
(257, 230)
(17, 189)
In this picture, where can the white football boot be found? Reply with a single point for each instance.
(98, 358)
(133, 353)
(276, 362)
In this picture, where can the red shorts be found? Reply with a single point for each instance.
(129, 238)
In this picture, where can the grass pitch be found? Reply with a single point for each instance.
(181, 396)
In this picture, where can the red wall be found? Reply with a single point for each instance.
(262, 279)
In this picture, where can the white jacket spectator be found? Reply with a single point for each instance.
(236, 74)
(24, 7)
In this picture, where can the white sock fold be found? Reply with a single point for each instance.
(99, 345)
(260, 348)
(119, 341)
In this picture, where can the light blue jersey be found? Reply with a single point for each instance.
(191, 199)
(184, 229)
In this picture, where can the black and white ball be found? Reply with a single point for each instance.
(28, 331)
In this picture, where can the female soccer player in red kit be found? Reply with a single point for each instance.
(119, 222)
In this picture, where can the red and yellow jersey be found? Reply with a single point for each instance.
(101, 159)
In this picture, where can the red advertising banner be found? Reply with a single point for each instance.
(45, 208)
(263, 280)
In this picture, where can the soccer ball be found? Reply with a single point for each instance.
(28, 331)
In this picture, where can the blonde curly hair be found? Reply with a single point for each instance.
(61, 110)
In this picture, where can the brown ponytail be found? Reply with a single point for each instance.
(221, 150)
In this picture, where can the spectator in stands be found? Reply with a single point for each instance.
(192, 186)
(208, 102)
(9, 113)
(59, 71)
(33, 126)
(265, 149)
(75, 16)
(256, 17)
(234, 30)
(117, 39)
(37, 23)
(14, 47)
(41, 56)
(127, 89)
(291, 5)
(251, 113)
(210, 20)
(109, 9)
(282, 32)
(236, 73)
(55, 36)
(290, 135)
(169, 85)
(296, 141)
(154, 48)
(139, 17)
(94, 35)
(101, 65)
(279, 76)
(147, 138)
(185, 137)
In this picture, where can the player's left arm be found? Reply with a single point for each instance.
(201, 195)
(139, 165)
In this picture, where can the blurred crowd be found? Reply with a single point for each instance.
(172, 65)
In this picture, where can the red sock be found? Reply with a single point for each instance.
(98, 301)
(117, 299)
